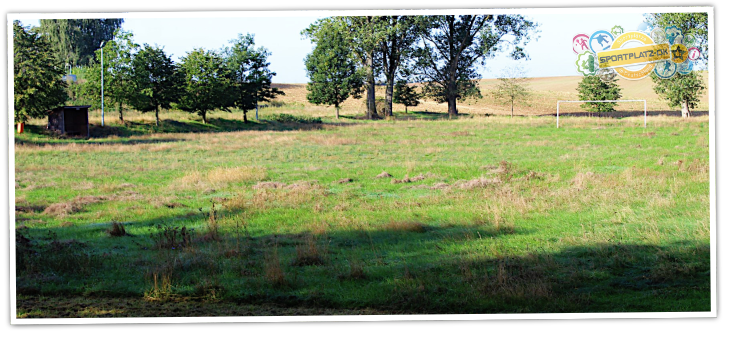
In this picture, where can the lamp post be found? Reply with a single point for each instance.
(102, 83)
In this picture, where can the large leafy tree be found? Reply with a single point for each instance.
(333, 75)
(592, 88)
(156, 81)
(695, 24)
(206, 83)
(37, 84)
(683, 91)
(362, 35)
(454, 45)
(75, 40)
(249, 73)
(117, 68)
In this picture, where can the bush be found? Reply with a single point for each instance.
(286, 118)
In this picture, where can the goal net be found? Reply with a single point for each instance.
(645, 107)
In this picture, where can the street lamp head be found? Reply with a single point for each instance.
(102, 45)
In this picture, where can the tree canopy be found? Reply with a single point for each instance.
(406, 95)
(156, 80)
(75, 40)
(332, 72)
(592, 88)
(37, 83)
(206, 83)
(453, 45)
(251, 78)
(512, 88)
(681, 90)
(117, 67)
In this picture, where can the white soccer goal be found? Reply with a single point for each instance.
(645, 107)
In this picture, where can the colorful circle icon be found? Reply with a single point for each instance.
(579, 43)
(666, 69)
(694, 53)
(600, 41)
(679, 53)
(685, 68)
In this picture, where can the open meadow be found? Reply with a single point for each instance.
(420, 214)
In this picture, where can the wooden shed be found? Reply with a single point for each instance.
(70, 120)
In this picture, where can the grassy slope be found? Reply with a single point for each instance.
(600, 216)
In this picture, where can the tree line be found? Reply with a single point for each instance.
(351, 55)
(442, 52)
(144, 78)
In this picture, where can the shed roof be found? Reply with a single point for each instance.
(74, 107)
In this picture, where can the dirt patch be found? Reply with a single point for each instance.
(269, 185)
(408, 179)
(383, 175)
(476, 183)
(344, 181)
(77, 204)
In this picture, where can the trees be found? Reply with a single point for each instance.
(695, 24)
(156, 81)
(454, 45)
(361, 35)
(332, 73)
(37, 83)
(592, 88)
(118, 85)
(512, 88)
(683, 90)
(76, 40)
(680, 91)
(206, 83)
(395, 46)
(406, 95)
(249, 73)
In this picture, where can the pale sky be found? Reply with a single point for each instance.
(551, 54)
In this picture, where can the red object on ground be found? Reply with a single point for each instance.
(21, 127)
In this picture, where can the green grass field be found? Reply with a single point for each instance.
(477, 215)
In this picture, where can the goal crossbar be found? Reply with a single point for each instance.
(645, 107)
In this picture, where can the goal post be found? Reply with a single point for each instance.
(645, 107)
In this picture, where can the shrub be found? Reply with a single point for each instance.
(286, 118)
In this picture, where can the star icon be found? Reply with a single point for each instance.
(678, 52)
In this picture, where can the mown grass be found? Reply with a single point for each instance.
(481, 215)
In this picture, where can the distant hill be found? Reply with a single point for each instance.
(546, 92)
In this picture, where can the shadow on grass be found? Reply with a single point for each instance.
(406, 272)
(430, 116)
(407, 268)
(39, 135)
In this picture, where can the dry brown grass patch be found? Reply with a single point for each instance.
(481, 182)
(65, 208)
(408, 179)
(273, 272)
(383, 175)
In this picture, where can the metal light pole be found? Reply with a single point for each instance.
(102, 83)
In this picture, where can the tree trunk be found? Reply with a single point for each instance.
(121, 113)
(245, 117)
(205, 117)
(512, 109)
(370, 84)
(406, 109)
(156, 115)
(452, 111)
(388, 97)
(685, 110)
(337, 112)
